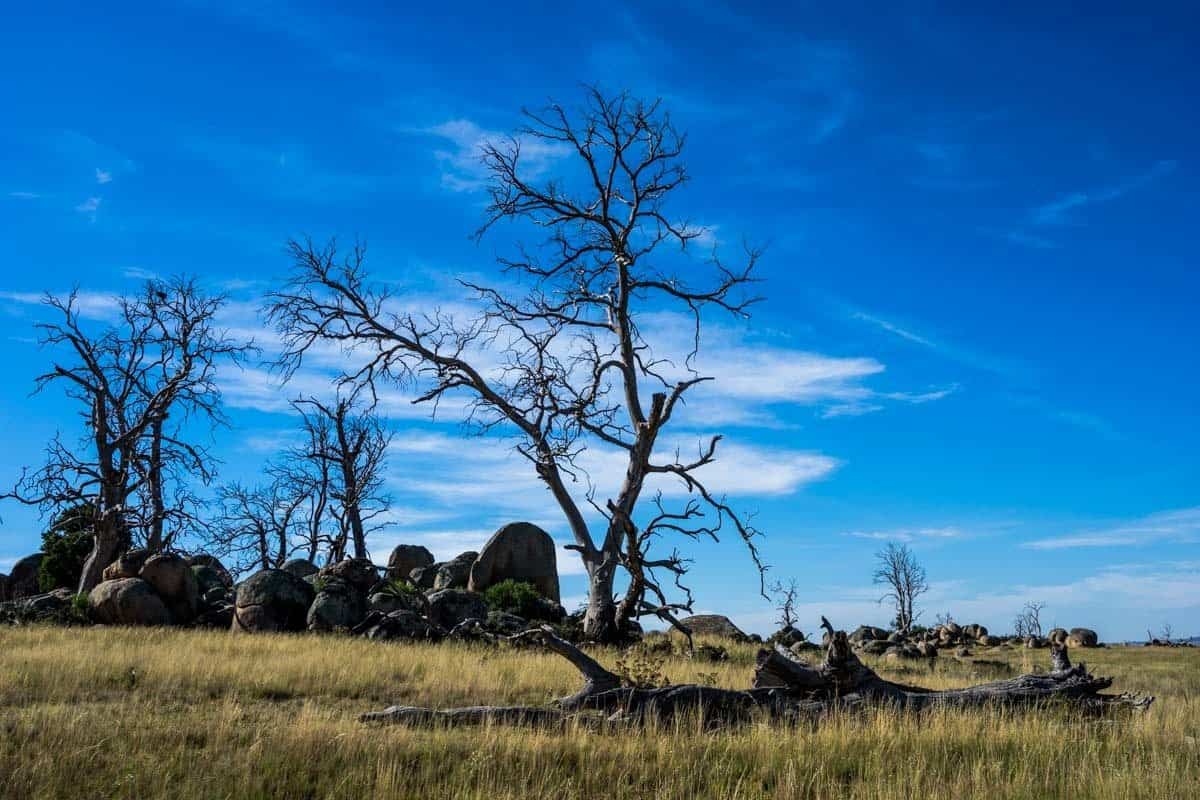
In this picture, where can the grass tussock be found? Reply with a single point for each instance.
(128, 713)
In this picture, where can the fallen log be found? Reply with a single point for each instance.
(784, 689)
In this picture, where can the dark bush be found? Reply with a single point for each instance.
(66, 546)
(517, 597)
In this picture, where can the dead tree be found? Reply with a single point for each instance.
(346, 446)
(905, 581)
(129, 378)
(182, 319)
(1029, 621)
(784, 689)
(256, 527)
(576, 365)
(785, 596)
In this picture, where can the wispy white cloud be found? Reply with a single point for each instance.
(910, 534)
(103, 176)
(954, 351)
(1059, 211)
(1069, 207)
(91, 305)
(461, 154)
(139, 274)
(1182, 525)
(89, 206)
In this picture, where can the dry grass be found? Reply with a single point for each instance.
(157, 713)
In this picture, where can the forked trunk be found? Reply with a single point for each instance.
(600, 621)
(108, 542)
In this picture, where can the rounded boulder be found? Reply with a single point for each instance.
(300, 567)
(337, 607)
(128, 601)
(713, 625)
(176, 584)
(358, 573)
(272, 600)
(450, 607)
(1083, 637)
(520, 551)
(23, 580)
(405, 558)
(455, 573)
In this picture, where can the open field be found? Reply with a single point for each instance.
(149, 713)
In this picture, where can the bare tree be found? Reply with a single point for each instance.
(1029, 621)
(346, 449)
(1167, 632)
(575, 367)
(785, 596)
(181, 318)
(904, 578)
(257, 526)
(128, 377)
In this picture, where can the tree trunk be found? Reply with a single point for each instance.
(600, 621)
(108, 542)
(784, 690)
(154, 488)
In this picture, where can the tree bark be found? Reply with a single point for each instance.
(600, 619)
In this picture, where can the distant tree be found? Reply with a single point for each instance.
(785, 597)
(256, 526)
(944, 618)
(898, 570)
(129, 377)
(1029, 621)
(1167, 632)
(346, 447)
(565, 364)
(66, 545)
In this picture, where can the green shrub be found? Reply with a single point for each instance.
(517, 597)
(66, 545)
(399, 587)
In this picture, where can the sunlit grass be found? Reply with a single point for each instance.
(160, 713)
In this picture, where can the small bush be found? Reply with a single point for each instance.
(66, 545)
(399, 587)
(516, 597)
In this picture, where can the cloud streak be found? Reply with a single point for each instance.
(1182, 525)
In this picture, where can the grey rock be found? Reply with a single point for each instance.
(1083, 637)
(337, 607)
(128, 601)
(455, 573)
(423, 577)
(867, 633)
(272, 600)
(204, 560)
(399, 625)
(176, 584)
(518, 551)
(387, 602)
(300, 567)
(23, 580)
(450, 607)
(505, 624)
(405, 558)
(128, 565)
(713, 625)
(359, 573)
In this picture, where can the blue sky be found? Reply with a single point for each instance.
(980, 337)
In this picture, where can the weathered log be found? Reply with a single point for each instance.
(784, 688)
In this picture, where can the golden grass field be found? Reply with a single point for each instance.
(157, 713)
